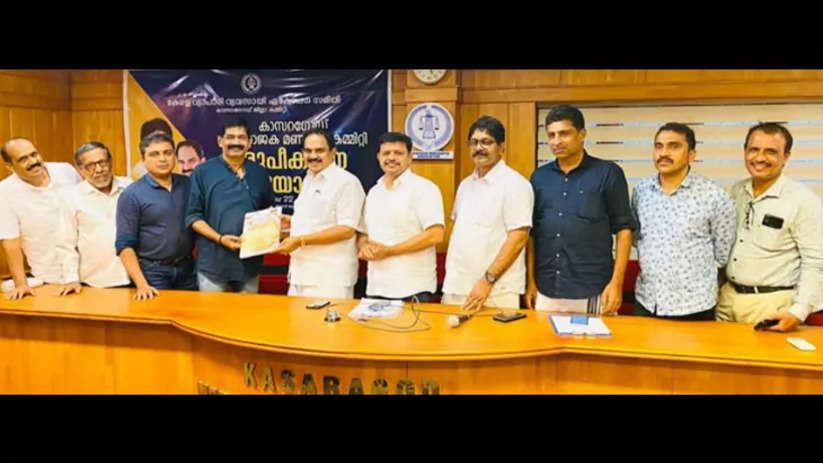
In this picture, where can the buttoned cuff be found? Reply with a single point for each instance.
(800, 311)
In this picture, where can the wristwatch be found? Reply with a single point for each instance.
(489, 277)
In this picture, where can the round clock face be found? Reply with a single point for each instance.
(429, 76)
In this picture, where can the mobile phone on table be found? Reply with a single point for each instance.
(317, 305)
(764, 325)
(509, 317)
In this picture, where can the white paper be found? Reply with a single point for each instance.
(595, 327)
(377, 308)
(261, 232)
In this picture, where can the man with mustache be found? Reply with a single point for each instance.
(152, 241)
(89, 218)
(30, 214)
(776, 267)
(223, 190)
(189, 155)
(327, 213)
(404, 221)
(492, 215)
(580, 202)
(686, 231)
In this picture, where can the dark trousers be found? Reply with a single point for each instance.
(165, 276)
(425, 296)
(706, 315)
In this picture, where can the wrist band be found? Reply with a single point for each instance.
(220, 240)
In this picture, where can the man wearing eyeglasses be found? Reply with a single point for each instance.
(776, 267)
(30, 214)
(87, 248)
(686, 232)
(485, 263)
(580, 201)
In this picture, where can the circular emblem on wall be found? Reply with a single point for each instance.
(250, 84)
(430, 126)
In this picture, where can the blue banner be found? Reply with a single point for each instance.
(278, 105)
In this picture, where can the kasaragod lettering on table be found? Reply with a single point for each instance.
(286, 383)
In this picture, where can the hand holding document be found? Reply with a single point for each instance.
(261, 232)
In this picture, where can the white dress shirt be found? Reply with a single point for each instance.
(331, 197)
(485, 210)
(394, 215)
(90, 229)
(33, 214)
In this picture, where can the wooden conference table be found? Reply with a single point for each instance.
(104, 342)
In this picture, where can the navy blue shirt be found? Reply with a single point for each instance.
(150, 219)
(575, 216)
(220, 198)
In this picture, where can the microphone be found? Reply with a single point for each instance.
(456, 320)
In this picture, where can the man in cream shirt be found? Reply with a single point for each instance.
(403, 222)
(326, 217)
(776, 266)
(89, 217)
(486, 263)
(30, 215)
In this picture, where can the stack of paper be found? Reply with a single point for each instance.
(563, 326)
(377, 308)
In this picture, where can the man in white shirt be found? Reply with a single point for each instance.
(326, 217)
(492, 214)
(89, 217)
(30, 214)
(403, 222)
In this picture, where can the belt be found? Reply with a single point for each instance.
(173, 262)
(758, 289)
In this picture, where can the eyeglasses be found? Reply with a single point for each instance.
(92, 166)
(749, 216)
(486, 142)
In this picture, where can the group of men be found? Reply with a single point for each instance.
(550, 238)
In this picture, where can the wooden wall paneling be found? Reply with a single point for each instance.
(510, 78)
(520, 138)
(21, 123)
(398, 118)
(602, 77)
(63, 133)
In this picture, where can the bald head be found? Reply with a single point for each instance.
(22, 157)
(15, 143)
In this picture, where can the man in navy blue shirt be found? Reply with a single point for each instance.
(580, 202)
(152, 240)
(223, 190)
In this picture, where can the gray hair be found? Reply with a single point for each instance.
(86, 147)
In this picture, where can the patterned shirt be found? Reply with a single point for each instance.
(683, 239)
